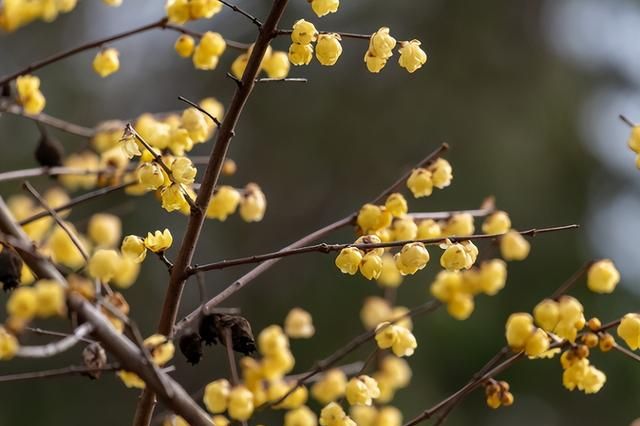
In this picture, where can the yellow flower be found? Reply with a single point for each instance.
(183, 171)
(331, 386)
(239, 64)
(158, 241)
(592, 381)
(496, 223)
(396, 204)
(374, 63)
(204, 8)
(405, 344)
(537, 343)
(519, 329)
(278, 388)
(332, 415)
(571, 318)
(362, 390)
(301, 416)
(151, 175)
(23, 303)
(184, 45)
(386, 335)
(324, 7)
(272, 340)
(194, 122)
(106, 62)
(455, 257)
(493, 276)
(634, 139)
(130, 379)
(298, 324)
(161, 349)
(219, 421)
(104, 264)
(300, 54)
(412, 57)
(547, 314)
(223, 203)
(133, 248)
(178, 11)
(412, 258)
(207, 53)
(371, 266)
(420, 183)
(629, 330)
(216, 396)
(382, 44)
(441, 173)
(372, 218)
(50, 297)
(277, 364)
(105, 229)
(514, 246)
(390, 276)
(328, 49)
(240, 406)
(173, 198)
(603, 277)
(374, 311)
(461, 306)
(277, 65)
(574, 375)
(63, 250)
(127, 273)
(428, 229)
(446, 285)
(304, 32)
(460, 225)
(130, 147)
(29, 94)
(180, 141)
(8, 344)
(405, 229)
(253, 203)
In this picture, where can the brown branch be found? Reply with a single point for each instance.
(43, 332)
(78, 200)
(56, 372)
(233, 368)
(55, 348)
(328, 248)
(204, 111)
(65, 126)
(282, 80)
(122, 349)
(242, 12)
(626, 120)
(49, 171)
(196, 220)
(341, 34)
(572, 280)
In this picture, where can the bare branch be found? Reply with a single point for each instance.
(55, 348)
(244, 13)
(57, 372)
(65, 126)
(328, 248)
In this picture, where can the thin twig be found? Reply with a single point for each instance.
(341, 34)
(49, 171)
(55, 348)
(282, 80)
(634, 356)
(72, 235)
(626, 121)
(78, 200)
(57, 372)
(328, 248)
(202, 110)
(65, 126)
(233, 368)
(54, 333)
(244, 13)
(572, 280)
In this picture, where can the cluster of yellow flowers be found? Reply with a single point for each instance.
(29, 94)
(206, 54)
(634, 143)
(275, 64)
(397, 338)
(17, 13)
(457, 288)
(381, 46)
(438, 174)
(182, 11)
(161, 350)
(328, 48)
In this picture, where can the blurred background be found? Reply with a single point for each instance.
(527, 93)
